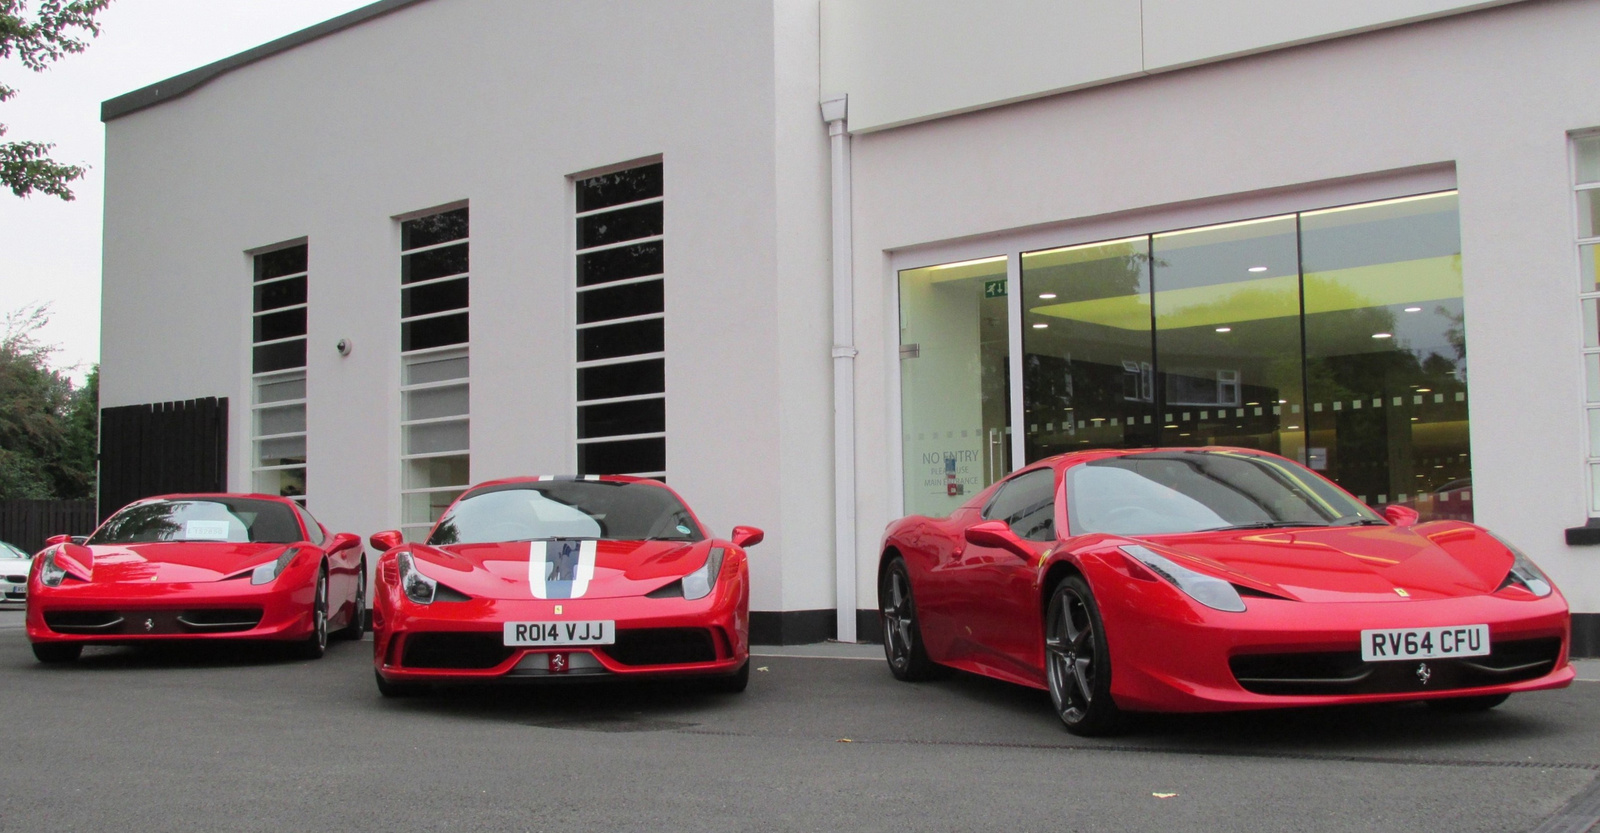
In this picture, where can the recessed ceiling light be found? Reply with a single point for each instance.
(1374, 335)
(1283, 401)
(1174, 425)
(1224, 329)
(1258, 269)
(1041, 326)
(1046, 296)
(1183, 435)
(1292, 428)
(1247, 404)
(1424, 390)
(1413, 309)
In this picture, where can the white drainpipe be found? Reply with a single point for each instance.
(844, 377)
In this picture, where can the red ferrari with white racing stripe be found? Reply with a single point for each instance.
(201, 566)
(555, 578)
(1213, 579)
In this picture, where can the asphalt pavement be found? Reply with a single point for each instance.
(231, 738)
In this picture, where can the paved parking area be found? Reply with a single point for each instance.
(212, 739)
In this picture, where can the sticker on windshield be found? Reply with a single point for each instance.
(560, 569)
(205, 530)
(683, 530)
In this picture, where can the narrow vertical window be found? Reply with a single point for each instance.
(434, 414)
(278, 366)
(620, 349)
(1586, 188)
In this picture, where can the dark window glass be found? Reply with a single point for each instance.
(285, 293)
(436, 228)
(623, 457)
(280, 356)
(631, 185)
(644, 417)
(606, 510)
(617, 226)
(237, 520)
(435, 297)
(434, 263)
(620, 264)
(613, 380)
(618, 340)
(433, 332)
(276, 325)
(619, 302)
(276, 264)
(1027, 504)
(313, 529)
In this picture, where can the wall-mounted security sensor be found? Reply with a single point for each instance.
(344, 346)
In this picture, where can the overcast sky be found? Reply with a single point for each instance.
(49, 249)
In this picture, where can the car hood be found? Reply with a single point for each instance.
(1436, 560)
(516, 569)
(15, 566)
(166, 562)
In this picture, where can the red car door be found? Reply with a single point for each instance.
(995, 585)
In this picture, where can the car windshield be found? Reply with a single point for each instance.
(234, 520)
(1165, 492)
(597, 509)
(8, 551)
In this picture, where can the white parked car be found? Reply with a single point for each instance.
(14, 566)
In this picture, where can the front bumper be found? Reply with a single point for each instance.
(124, 613)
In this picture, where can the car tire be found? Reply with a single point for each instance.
(902, 633)
(734, 683)
(57, 652)
(1077, 662)
(358, 614)
(392, 689)
(1467, 705)
(315, 645)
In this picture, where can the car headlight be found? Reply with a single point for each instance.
(418, 587)
(698, 584)
(51, 574)
(272, 569)
(1526, 573)
(1210, 591)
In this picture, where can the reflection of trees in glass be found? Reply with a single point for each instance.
(139, 524)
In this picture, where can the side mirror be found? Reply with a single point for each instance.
(998, 535)
(1400, 515)
(386, 540)
(343, 541)
(747, 536)
(80, 540)
(58, 539)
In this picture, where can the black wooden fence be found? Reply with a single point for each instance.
(26, 523)
(158, 449)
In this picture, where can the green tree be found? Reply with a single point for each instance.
(38, 40)
(47, 428)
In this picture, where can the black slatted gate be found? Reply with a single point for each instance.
(157, 449)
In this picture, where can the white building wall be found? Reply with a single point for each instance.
(498, 102)
(1492, 93)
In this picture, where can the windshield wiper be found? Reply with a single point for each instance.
(1357, 520)
(1261, 525)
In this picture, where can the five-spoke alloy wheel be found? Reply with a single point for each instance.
(902, 638)
(316, 644)
(1077, 664)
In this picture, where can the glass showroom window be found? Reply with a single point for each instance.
(278, 365)
(434, 390)
(621, 364)
(954, 365)
(1334, 337)
(1586, 178)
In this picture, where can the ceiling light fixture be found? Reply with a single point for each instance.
(1257, 269)
(1413, 309)
(1374, 335)
(1041, 326)
(1047, 296)
(1224, 329)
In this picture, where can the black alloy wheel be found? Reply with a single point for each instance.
(1077, 663)
(358, 614)
(316, 644)
(1466, 705)
(56, 652)
(902, 637)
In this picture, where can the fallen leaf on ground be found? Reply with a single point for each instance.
(762, 668)
(845, 740)
(1164, 795)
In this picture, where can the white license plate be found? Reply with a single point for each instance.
(1384, 644)
(558, 634)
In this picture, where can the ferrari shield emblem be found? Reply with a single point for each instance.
(149, 625)
(558, 610)
(1424, 673)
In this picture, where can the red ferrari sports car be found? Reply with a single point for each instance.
(539, 579)
(1213, 579)
(201, 566)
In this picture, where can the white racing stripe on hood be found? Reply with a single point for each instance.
(560, 569)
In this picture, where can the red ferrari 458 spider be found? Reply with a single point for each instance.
(1189, 580)
(554, 578)
(203, 566)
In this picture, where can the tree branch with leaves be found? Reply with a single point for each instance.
(38, 40)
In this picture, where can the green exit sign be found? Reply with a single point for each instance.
(994, 289)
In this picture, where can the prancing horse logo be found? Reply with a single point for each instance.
(149, 625)
(1424, 673)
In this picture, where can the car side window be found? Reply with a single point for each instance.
(1027, 504)
(313, 529)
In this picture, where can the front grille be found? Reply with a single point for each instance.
(153, 622)
(454, 650)
(663, 646)
(83, 621)
(17, 579)
(220, 620)
(1345, 673)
